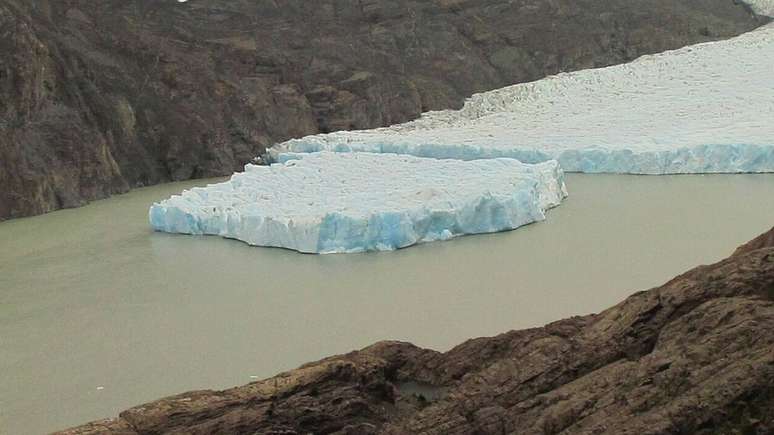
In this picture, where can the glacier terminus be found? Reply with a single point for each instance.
(706, 108)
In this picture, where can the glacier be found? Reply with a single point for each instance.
(497, 163)
(761, 7)
(338, 203)
(706, 108)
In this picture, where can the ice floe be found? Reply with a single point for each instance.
(329, 202)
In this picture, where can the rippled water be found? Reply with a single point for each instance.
(98, 313)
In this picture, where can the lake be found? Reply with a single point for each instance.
(98, 313)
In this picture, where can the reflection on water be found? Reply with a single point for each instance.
(98, 313)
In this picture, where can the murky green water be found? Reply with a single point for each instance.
(98, 313)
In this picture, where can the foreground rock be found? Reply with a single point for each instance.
(100, 97)
(695, 355)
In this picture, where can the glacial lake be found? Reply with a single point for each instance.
(98, 313)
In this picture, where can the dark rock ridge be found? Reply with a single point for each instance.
(97, 97)
(695, 355)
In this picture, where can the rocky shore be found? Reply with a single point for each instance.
(100, 97)
(695, 355)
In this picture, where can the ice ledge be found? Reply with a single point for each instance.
(329, 202)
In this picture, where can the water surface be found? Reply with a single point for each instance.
(98, 313)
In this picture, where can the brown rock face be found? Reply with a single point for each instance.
(97, 97)
(695, 355)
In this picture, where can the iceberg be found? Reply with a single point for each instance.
(330, 202)
(706, 108)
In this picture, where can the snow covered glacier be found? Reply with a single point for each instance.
(328, 202)
(700, 109)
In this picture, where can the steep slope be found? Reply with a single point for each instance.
(695, 355)
(100, 97)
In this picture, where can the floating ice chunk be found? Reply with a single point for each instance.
(700, 109)
(332, 202)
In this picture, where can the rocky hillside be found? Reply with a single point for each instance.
(97, 97)
(694, 356)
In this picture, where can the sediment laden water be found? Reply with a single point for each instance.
(98, 313)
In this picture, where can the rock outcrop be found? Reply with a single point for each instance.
(100, 97)
(695, 355)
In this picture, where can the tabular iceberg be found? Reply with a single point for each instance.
(700, 109)
(331, 202)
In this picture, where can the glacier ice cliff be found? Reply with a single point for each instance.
(351, 202)
(706, 108)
